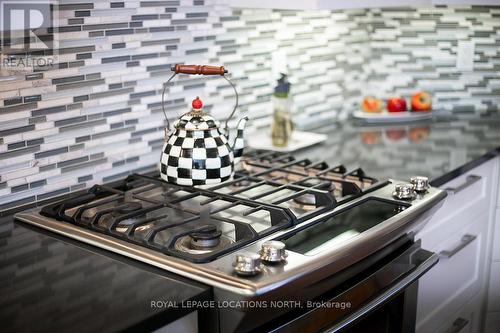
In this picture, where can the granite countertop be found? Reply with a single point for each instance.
(55, 284)
(440, 149)
(52, 285)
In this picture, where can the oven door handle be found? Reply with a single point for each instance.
(388, 294)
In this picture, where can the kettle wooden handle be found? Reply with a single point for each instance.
(199, 69)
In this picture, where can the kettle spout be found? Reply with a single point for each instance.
(239, 143)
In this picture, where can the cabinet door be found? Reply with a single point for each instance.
(495, 256)
(465, 320)
(456, 278)
(498, 189)
(494, 287)
(469, 195)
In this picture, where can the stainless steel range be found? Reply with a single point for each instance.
(281, 222)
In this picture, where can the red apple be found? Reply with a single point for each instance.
(371, 104)
(421, 101)
(396, 104)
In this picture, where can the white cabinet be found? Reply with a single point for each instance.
(468, 196)
(492, 318)
(461, 233)
(456, 278)
(495, 255)
(498, 197)
(465, 320)
(494, 287)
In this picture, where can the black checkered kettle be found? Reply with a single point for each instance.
(197, 151)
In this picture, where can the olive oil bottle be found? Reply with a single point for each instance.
(282, 126)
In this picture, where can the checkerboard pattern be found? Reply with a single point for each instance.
(196, 121)
(199, 157)
(239, 143)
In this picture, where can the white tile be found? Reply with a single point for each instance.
(210, 143)
(175, 151)
(188, 143)
(212, 163)
(185, 163)
(225, 171)
(223, 151)
(199, 174)
(199, 153)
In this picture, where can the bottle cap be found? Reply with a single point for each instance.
(283, 87)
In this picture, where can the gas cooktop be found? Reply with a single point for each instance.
(278, 219)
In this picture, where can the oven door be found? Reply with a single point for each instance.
(382, 298)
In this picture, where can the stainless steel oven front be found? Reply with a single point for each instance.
(377, 294)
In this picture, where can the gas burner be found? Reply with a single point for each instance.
(205, 239)
(128, 207)
(308, 200)
(125, 224)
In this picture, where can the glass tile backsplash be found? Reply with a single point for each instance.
(96, 116)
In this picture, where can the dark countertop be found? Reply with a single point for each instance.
(441, 149)
(49, 284)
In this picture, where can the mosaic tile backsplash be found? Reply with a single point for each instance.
(97, 117)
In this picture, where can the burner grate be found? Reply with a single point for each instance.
(273, 191)
(349, 185)
(170, 214)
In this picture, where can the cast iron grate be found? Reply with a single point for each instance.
(149, 212)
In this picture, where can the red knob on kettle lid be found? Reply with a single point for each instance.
(197, 103)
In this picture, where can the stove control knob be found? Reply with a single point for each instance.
(247, 264)
(420, 183)
(403, 191)
(273, 252)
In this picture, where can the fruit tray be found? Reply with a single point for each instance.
(298, 140)
(392, 117)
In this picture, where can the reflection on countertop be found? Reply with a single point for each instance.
(431, 148)
(53, 284)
